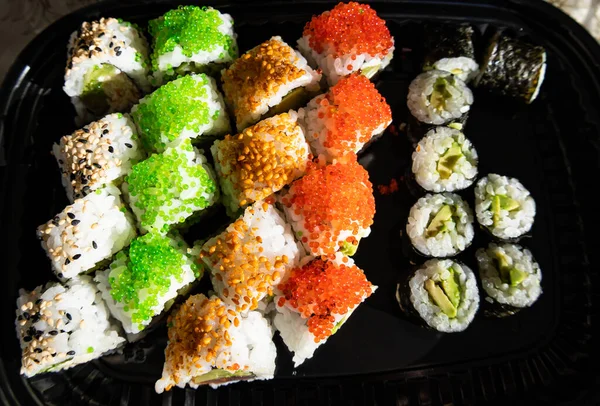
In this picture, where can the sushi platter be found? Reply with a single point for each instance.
(220, 203)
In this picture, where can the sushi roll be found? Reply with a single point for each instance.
(442, 294)
(331, 208)
(510, 278)
(60, 326)
(251, 256)
(513, 68)
(349, 38)
(143, 279)
(212, 344)
(306, 317)
(260, 160)
(87, 232)
(269, 79)
(191, 39)
(107, 68)
(444, 161)
(504, 206)
(440, 225)
(449, 47)
(438, 97)
(167, 189)
(99, 154)
(188, 107)
(351, 114)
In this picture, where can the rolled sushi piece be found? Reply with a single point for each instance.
(449, 47)
(191, 39)
(514, 68)
(444, 161)
(349, 38)
(438, 97)
(99, 154)
(442, 294)
(170, 188)
(504, 206)
(251, 256)
(440, 225)
(60, 326)
(331, 208)
(342, 121)
(144, 279)
(188, 107)
(87, 232)
(210, 343)
(107, 68)
(280, 80)
(510, 276)
(260, 160)
(306, 316)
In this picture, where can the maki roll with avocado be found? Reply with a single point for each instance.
(514, 68)
(349, 116)
(504, 206)
(191, 39)
(107, 68)
(440, 225)
(444, 161)
(510, 277)
(438, 97)
(349, 38)
(269, 79)
(449, 47)
(210, 343)
(442, 294)
(331, 208)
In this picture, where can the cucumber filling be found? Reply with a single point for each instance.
(104, 87)
(370, 71)
(338, 325)
(348, 248)
(294, 99)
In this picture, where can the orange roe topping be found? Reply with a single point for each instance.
(350, 28)
(332, 199)
(321, 289)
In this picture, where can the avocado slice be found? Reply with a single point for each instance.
(440, 93)
(294, 99)
(501, 202)
(102, 85)
(509, 274)
(440, 299)
(438, 223)
(220, 375)
(348, 248)
(452, 288)
(448, 160)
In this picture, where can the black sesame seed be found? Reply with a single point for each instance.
(54, 355)
(88, 167)
(83, 180)
(94, 244)
(75, 222)
(69, 333)
(67, 261)
(31, 331)
(71, 215)
(35, 318)
(69, 316)
(20, 318)
(60, 161)
(84, 47)
(111, 149)
(90, 54)
(118, 53)
(71, 65)
(71, 352)
(27, 339)
(53, 333)
(82, 140)
(56, 218)
(72, 176)
(114, 36)
(89, 177)
(38, 350)
(101, 35)
(89, 151)
(97, 165)
(86, 189)
(105, 132)
(38, 302)
(117, 49)
(128, 145)
(26, 315)
(60, 275)
(110, 45)
(36, 361)
(76, 257)
(98, 49)
(82, 160)
(85, 130)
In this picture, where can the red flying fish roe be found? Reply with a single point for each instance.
(321, 289)
(348, 204)
(350, 28)
(355, 106)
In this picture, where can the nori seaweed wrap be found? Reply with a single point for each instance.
(449, 47)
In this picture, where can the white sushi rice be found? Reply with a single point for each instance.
(429, 152)
(513, 223)
(522, 295)
(87, 232)
(108, 148)
(72, 326)
(455, 239)
(437, 270)
(335, 68)
(455, 105)
(462, 67)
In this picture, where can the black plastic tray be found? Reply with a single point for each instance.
(543, 355)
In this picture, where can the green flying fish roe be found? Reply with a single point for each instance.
(194, 29)
(148, 264)
(177, 106)
(155, 185)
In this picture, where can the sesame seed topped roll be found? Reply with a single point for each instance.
(269, 79)
(211, 343)
(100, 153)
(191, 39)
(87, 232)
(351, 114)
(349, 38)
(260, 160)
(251, 256)
(331, 208)
(188, 107)
(168, 188)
